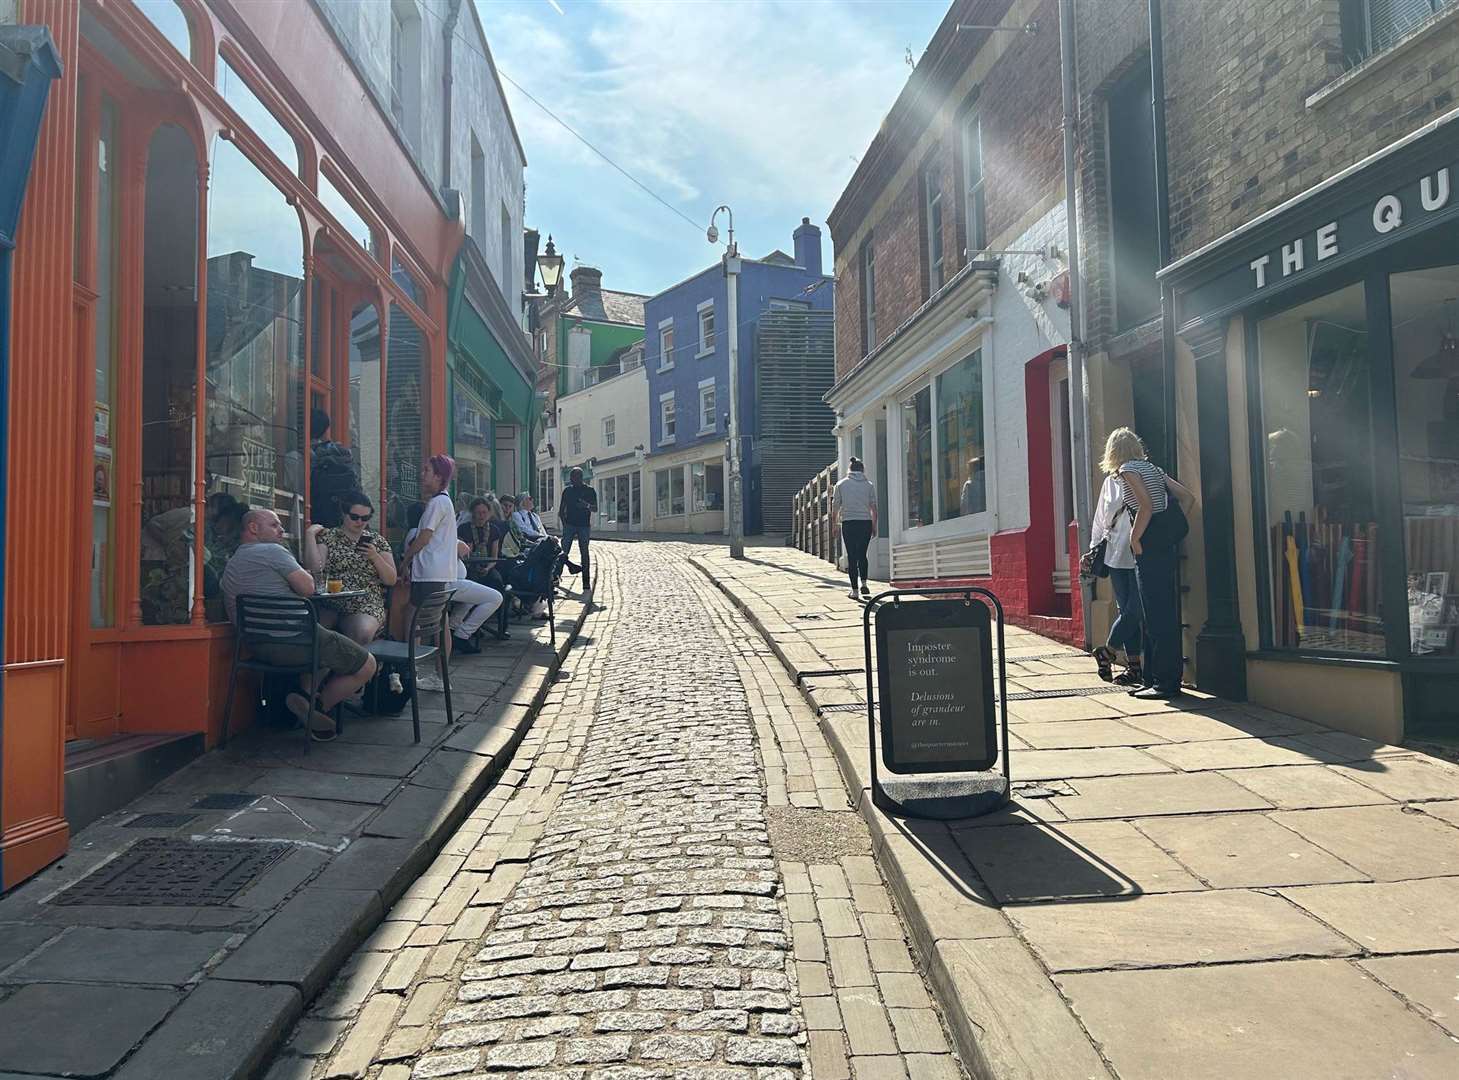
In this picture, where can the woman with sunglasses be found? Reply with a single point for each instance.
(359, 558)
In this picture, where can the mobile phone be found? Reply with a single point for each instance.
(365, 540)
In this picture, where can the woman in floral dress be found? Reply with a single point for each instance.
(362, 560)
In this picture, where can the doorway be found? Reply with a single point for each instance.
(1063, 479)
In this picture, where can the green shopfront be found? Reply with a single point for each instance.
(1318, 389)
(490, 386)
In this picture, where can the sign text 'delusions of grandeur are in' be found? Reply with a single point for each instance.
(935, 686)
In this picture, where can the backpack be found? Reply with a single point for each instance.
(532, 573)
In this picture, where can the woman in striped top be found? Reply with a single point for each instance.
(1160, 524)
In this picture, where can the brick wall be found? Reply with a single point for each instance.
(1242, 135)
(1019, 104)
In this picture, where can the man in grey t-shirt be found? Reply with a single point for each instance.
(262, 566)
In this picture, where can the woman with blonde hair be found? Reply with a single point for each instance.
(1159, 506)
(1111, 528)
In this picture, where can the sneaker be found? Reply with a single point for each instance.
(429, 680)
(464, 644)
(865, 591)
(320, 725)
(395, 685)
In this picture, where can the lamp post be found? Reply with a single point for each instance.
(549, 266)
(732, 316)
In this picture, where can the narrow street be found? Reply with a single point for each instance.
(668, 881)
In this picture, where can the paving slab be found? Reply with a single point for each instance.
(77, 1030)
(273, 817)
(1011, 1013)
(1444, 811)
(1405, 779)
(364, 759)
(1073, 764)
(92, 954)
(1142, 796)
(1234, 851)
(19, 939)
(337, 787)
(1174, 928)
(1215, 726)
(1305, 787)
(1055, 709)
(1071, 735)
(220, 1032)
(1429, 982)
(1388, 917)
(1234, 754)
(1301, 1020)
(306, 941)
(1387, 843)
(416, 812)
(1023, 863)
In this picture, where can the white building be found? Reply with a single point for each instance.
(603, 430)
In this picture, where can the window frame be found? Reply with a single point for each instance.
(706, 348)
(575, 440)
(610, 431)
(1356, 17)
(935, 251)
(666, 352)
(867, 258)
(713, 426)
(974, 191)
(668, 419)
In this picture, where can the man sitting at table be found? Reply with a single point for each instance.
(262, 566)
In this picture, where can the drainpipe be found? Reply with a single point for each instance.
(1079, 461)
(448, 77)
(1162, 230)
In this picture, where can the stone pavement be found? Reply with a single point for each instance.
(199, 967)
(668, 883)
(1200, 889)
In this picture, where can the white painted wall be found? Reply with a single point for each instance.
(625, 398)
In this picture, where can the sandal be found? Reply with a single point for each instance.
(1104, 656)
(1131, 676)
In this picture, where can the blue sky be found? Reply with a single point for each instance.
(765, 105)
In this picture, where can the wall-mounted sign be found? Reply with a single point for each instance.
(935, 686)
(1353, 227)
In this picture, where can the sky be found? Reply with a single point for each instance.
(763, 105)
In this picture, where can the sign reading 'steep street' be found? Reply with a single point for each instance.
(935, 686)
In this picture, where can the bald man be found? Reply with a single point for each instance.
(262, 566)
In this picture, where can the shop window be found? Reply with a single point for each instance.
(868, 296)
(546, 490)
(858, 442)
(961, 470)
(1426, 377)
(365, 370)
(344, 212)
(1370, 26)
(669, 491)
(508, 438)
(917, 456)
(255, 438)
(1320, 531)
(635, 497)
(169, 377)
(973, 207)
(405, 365)
(932, 217)
(402, 276)
(168, 17)
(260, 120)
(471, 433)
(1134, 242)
(104, 491)
(478, 195)
(714, 486)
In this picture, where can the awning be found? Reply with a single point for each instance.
(485, 340)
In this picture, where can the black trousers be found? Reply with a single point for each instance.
(1159, 598)
(856, 535)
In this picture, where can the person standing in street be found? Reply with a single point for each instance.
(1111, 524)
(854, 505)
(1160, 506)
(430, 557)
(579, 504)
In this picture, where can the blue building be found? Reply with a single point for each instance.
(787, 364)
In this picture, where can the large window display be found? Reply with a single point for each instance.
(917, 456)
(169, 377)
(471, 438)
(365, 397)
(961, 473)
(1426, 384)
(1321, 528)
(254, 438)
(404, 419)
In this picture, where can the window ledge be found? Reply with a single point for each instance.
(1436, 22)
(666, 367)
(708, 431)
(702, 353)
(666, 442)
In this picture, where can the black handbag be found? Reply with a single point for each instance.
(1167, 528)
(1095, 560)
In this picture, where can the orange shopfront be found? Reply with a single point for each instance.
(218, 239)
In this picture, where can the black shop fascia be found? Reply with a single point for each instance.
(1347, 298)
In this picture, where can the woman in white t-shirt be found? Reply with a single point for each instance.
(1112, 522)
(430, 558)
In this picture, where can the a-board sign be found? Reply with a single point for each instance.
(934, 663)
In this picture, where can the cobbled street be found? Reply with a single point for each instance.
(668, 881)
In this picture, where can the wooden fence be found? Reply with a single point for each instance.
(812, 529)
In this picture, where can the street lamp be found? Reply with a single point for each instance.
(732, 316)
(549, 265)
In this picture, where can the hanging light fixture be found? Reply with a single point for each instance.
(1443, 364)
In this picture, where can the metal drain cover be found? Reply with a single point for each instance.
(159, 821)
(164, 871)
(224, 801)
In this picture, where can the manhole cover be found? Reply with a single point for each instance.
(225, 801)
(169, 871)
(159, 821)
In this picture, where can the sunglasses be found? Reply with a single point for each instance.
(362, 518)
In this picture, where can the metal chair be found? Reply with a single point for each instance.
(273, 620)
(423, 640)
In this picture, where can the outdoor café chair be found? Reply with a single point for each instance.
(423, 640)
(273, 620)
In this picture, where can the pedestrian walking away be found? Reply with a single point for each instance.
(1111, 526)
(579, 504)
(1160, 524)
(854, 505)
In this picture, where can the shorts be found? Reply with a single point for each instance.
(337, 653)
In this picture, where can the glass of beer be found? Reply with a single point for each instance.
(334, 585)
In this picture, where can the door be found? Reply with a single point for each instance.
(1063, 486)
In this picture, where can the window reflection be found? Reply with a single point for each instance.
(170, 22)
(169, 377)
(257, 116)
(103, 483)
(402, 276)
(255, 435)
(917, 455)
(960, 468)
(365, 397)
(345, 213)
(404, 372)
